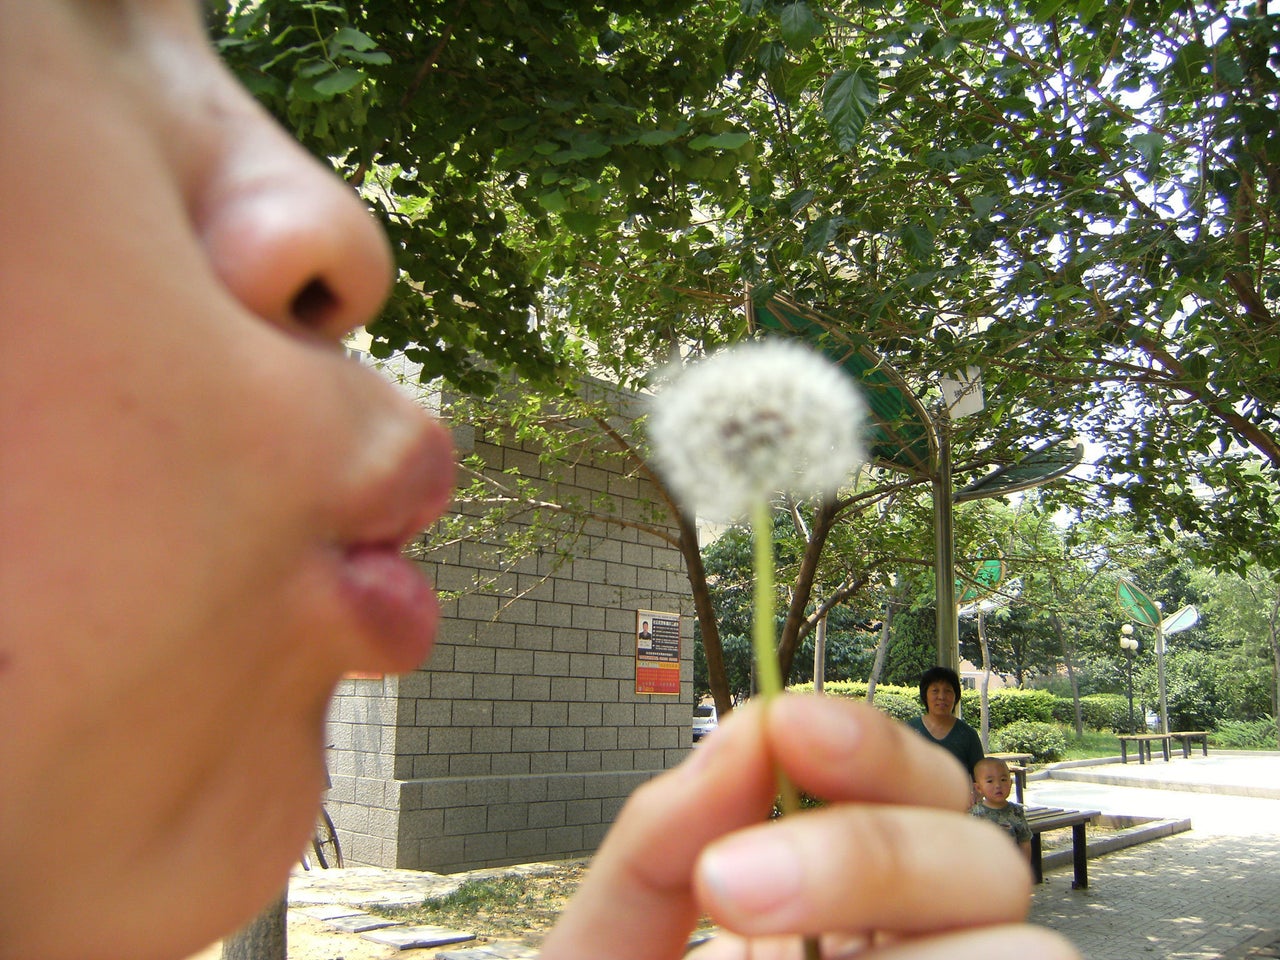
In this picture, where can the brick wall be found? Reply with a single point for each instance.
(523, 735)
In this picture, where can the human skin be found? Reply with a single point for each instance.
(201, 509)
(202, 500)
(941, 700)
(993, 782)
(891, 859)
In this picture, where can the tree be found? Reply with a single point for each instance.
(1245, 611)
(1076, 197)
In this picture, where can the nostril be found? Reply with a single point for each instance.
(314, 305)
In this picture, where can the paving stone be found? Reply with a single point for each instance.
(500, 950)
(360, 922)
(415, 937)
(331, 911)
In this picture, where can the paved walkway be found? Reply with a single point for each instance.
(1212, 893)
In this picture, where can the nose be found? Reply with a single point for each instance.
(292, 243)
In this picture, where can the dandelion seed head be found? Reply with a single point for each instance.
(754, 420)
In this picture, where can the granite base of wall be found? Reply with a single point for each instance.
(463, 823)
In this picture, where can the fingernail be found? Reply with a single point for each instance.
(753, 874)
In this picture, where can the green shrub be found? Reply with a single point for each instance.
(1108, 711)
(1044, 741)
(1245, 734)
(1009, 705)
(1064, 711)
(901, 703)
(1098, 711)
(897, 705)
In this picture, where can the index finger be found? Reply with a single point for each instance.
(842, 750)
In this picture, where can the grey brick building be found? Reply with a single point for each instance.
(523, 735)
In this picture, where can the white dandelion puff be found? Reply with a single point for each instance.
(754, 420)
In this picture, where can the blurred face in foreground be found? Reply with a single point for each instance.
(202, 502)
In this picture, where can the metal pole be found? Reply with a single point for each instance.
(1164, 702)
(1129, 653)
(944, 552)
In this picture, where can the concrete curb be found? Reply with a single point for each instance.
(1130, 837)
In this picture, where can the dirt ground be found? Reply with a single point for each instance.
(312, 939)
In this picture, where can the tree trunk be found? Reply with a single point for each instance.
(717, 679)
(264, 938)
(882, 650)
(824, 518)
(1069, 661)
(820, 655)
(984, 701)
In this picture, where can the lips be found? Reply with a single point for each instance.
(386, 592)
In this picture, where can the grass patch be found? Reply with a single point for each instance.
(513, 906)
(1094, 743)
(519, 907)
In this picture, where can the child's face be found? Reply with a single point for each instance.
(201, 500)
(994, 782)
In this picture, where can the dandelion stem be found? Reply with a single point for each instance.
(768, 673)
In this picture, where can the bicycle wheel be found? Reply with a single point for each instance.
(324, 841)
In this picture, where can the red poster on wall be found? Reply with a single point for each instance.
(657, 652)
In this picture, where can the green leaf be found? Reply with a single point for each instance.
(799, 25)
(353, 39)
(918, 241)
(340, 81)
(553, 201)
(720, 141)
(656, 138)
(848, 98)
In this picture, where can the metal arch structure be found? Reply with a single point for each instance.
(907, 438)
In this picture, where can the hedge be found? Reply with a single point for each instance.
(1043, 741)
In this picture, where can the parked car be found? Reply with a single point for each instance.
(704, 720)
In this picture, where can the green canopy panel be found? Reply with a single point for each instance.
(1137, 604)
(984, 580)
(899, 431)
(1036, 468)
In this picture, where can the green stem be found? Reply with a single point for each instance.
(768, 672)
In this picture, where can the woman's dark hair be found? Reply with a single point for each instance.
(934, 675)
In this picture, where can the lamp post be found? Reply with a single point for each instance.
(1129, 644)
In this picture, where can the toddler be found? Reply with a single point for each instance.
(993, 782)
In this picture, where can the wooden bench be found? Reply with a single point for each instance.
(1188, 737)
(1143, 742)
(1043, 819)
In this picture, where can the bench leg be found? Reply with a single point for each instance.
(1124, 752)
(1186, 748)
(1079, 857)
(1144, 748)
(1037, 868)
(1164, 744)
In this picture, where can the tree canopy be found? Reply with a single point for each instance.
(1075, 196)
